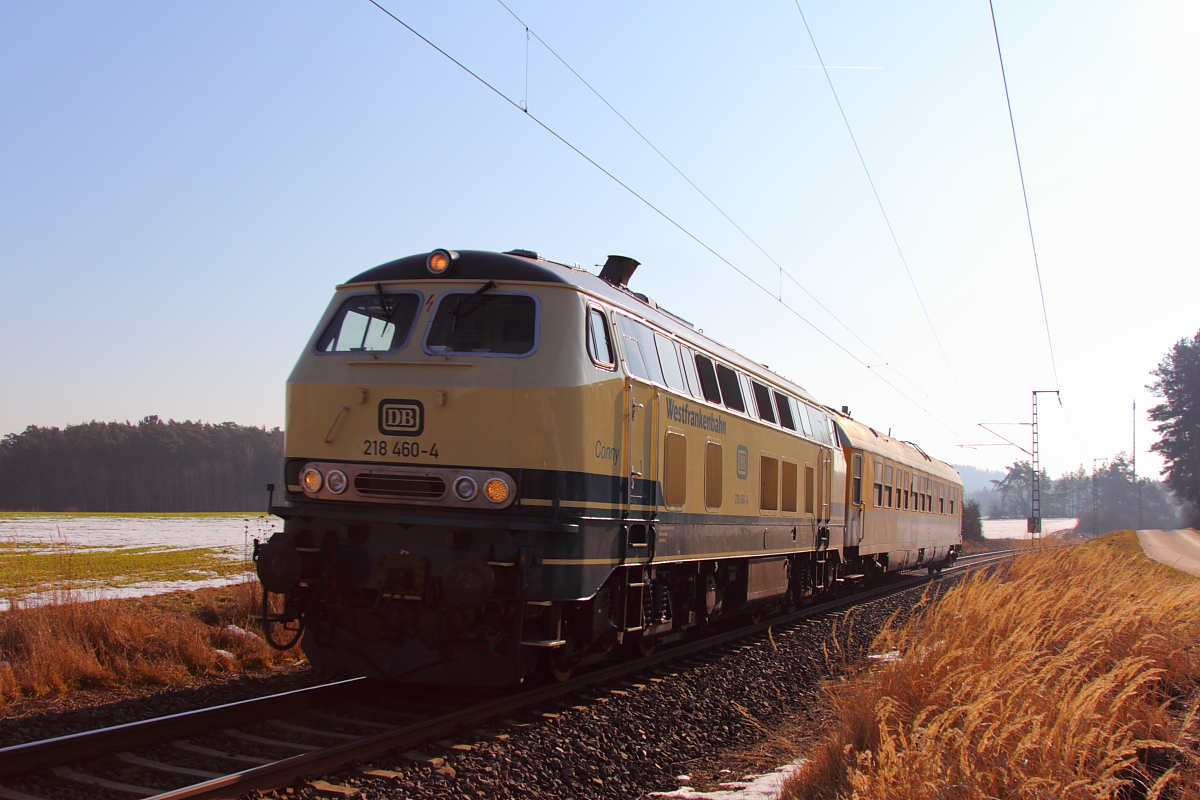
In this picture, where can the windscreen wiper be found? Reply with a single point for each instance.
(464, 310)
(383, 301)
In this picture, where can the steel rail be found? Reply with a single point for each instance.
(76, 747)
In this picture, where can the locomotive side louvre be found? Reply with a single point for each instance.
(513, 464)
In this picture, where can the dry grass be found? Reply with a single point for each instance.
(1068, 674)
(164, 639)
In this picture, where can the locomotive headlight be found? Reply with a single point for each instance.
(496, 490)
(335, 481)
(312, 480)
(439, 261)
(466, 488)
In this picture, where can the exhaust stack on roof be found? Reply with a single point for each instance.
(618, 270)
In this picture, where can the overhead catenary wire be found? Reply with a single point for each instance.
(783, 272)
(661, 213)
(1025, 195)
(879, 200)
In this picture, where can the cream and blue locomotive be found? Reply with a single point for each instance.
(498, 465)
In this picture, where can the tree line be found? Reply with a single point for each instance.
(148, 466)
(1107, 499)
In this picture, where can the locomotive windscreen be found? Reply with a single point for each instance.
(496, 324)
(370, 322)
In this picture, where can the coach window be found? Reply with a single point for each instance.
(906, 483)
(708, 379)
(713, 475)
(785, 411)
(768, 483)
(878, 483)
(598, 340)
(369, 323)
(640, 355)
(856, 498)
(668, 356)
(730, 390)
(675, 469)
(810, 480)
(789, 493)
(762, 398)
(491, 324)
(887, 486)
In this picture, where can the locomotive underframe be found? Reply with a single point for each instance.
(412, 601)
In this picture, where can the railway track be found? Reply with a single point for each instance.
(266, 743)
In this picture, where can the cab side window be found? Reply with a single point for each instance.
(730, 389)
(599, 342)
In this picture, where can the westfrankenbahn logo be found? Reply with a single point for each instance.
(696, 417)
(401, 417)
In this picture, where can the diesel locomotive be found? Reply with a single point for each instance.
(497, 465)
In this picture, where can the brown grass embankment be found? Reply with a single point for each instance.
(124, 643)
(1070, 673)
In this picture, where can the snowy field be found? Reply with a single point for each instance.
(228, 536)
(1015, 528)
(115, 531)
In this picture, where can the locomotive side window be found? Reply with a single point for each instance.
(640, 355)
(730, 390)
(785, 411)
(790, 489)
(675, 469)
(878, 483)
(471, 323)
(713, 475)
(370, 323)
(801, 415)
(817, 418)
(762, 398)
(668, 354)
(598, 341)
(689, 371)
(708, 379)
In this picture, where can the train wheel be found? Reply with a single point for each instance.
(563, 674)
(647, 646)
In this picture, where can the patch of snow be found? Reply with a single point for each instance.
(241, 631)
(225, 654)
(886, 658)
(752, 787)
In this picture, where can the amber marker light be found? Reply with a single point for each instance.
(312, 480)
(496, 490)
(439, 261)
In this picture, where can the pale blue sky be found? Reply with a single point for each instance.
(184, 183)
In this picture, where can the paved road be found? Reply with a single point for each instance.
(1179, 549)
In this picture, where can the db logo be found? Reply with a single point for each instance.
(401, 417)
(743, 462)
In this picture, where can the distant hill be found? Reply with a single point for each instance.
(977, 485)
(150, 466)
(974, 478)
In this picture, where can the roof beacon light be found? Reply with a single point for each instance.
(439, 261)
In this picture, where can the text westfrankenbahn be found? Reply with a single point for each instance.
(686, 415)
